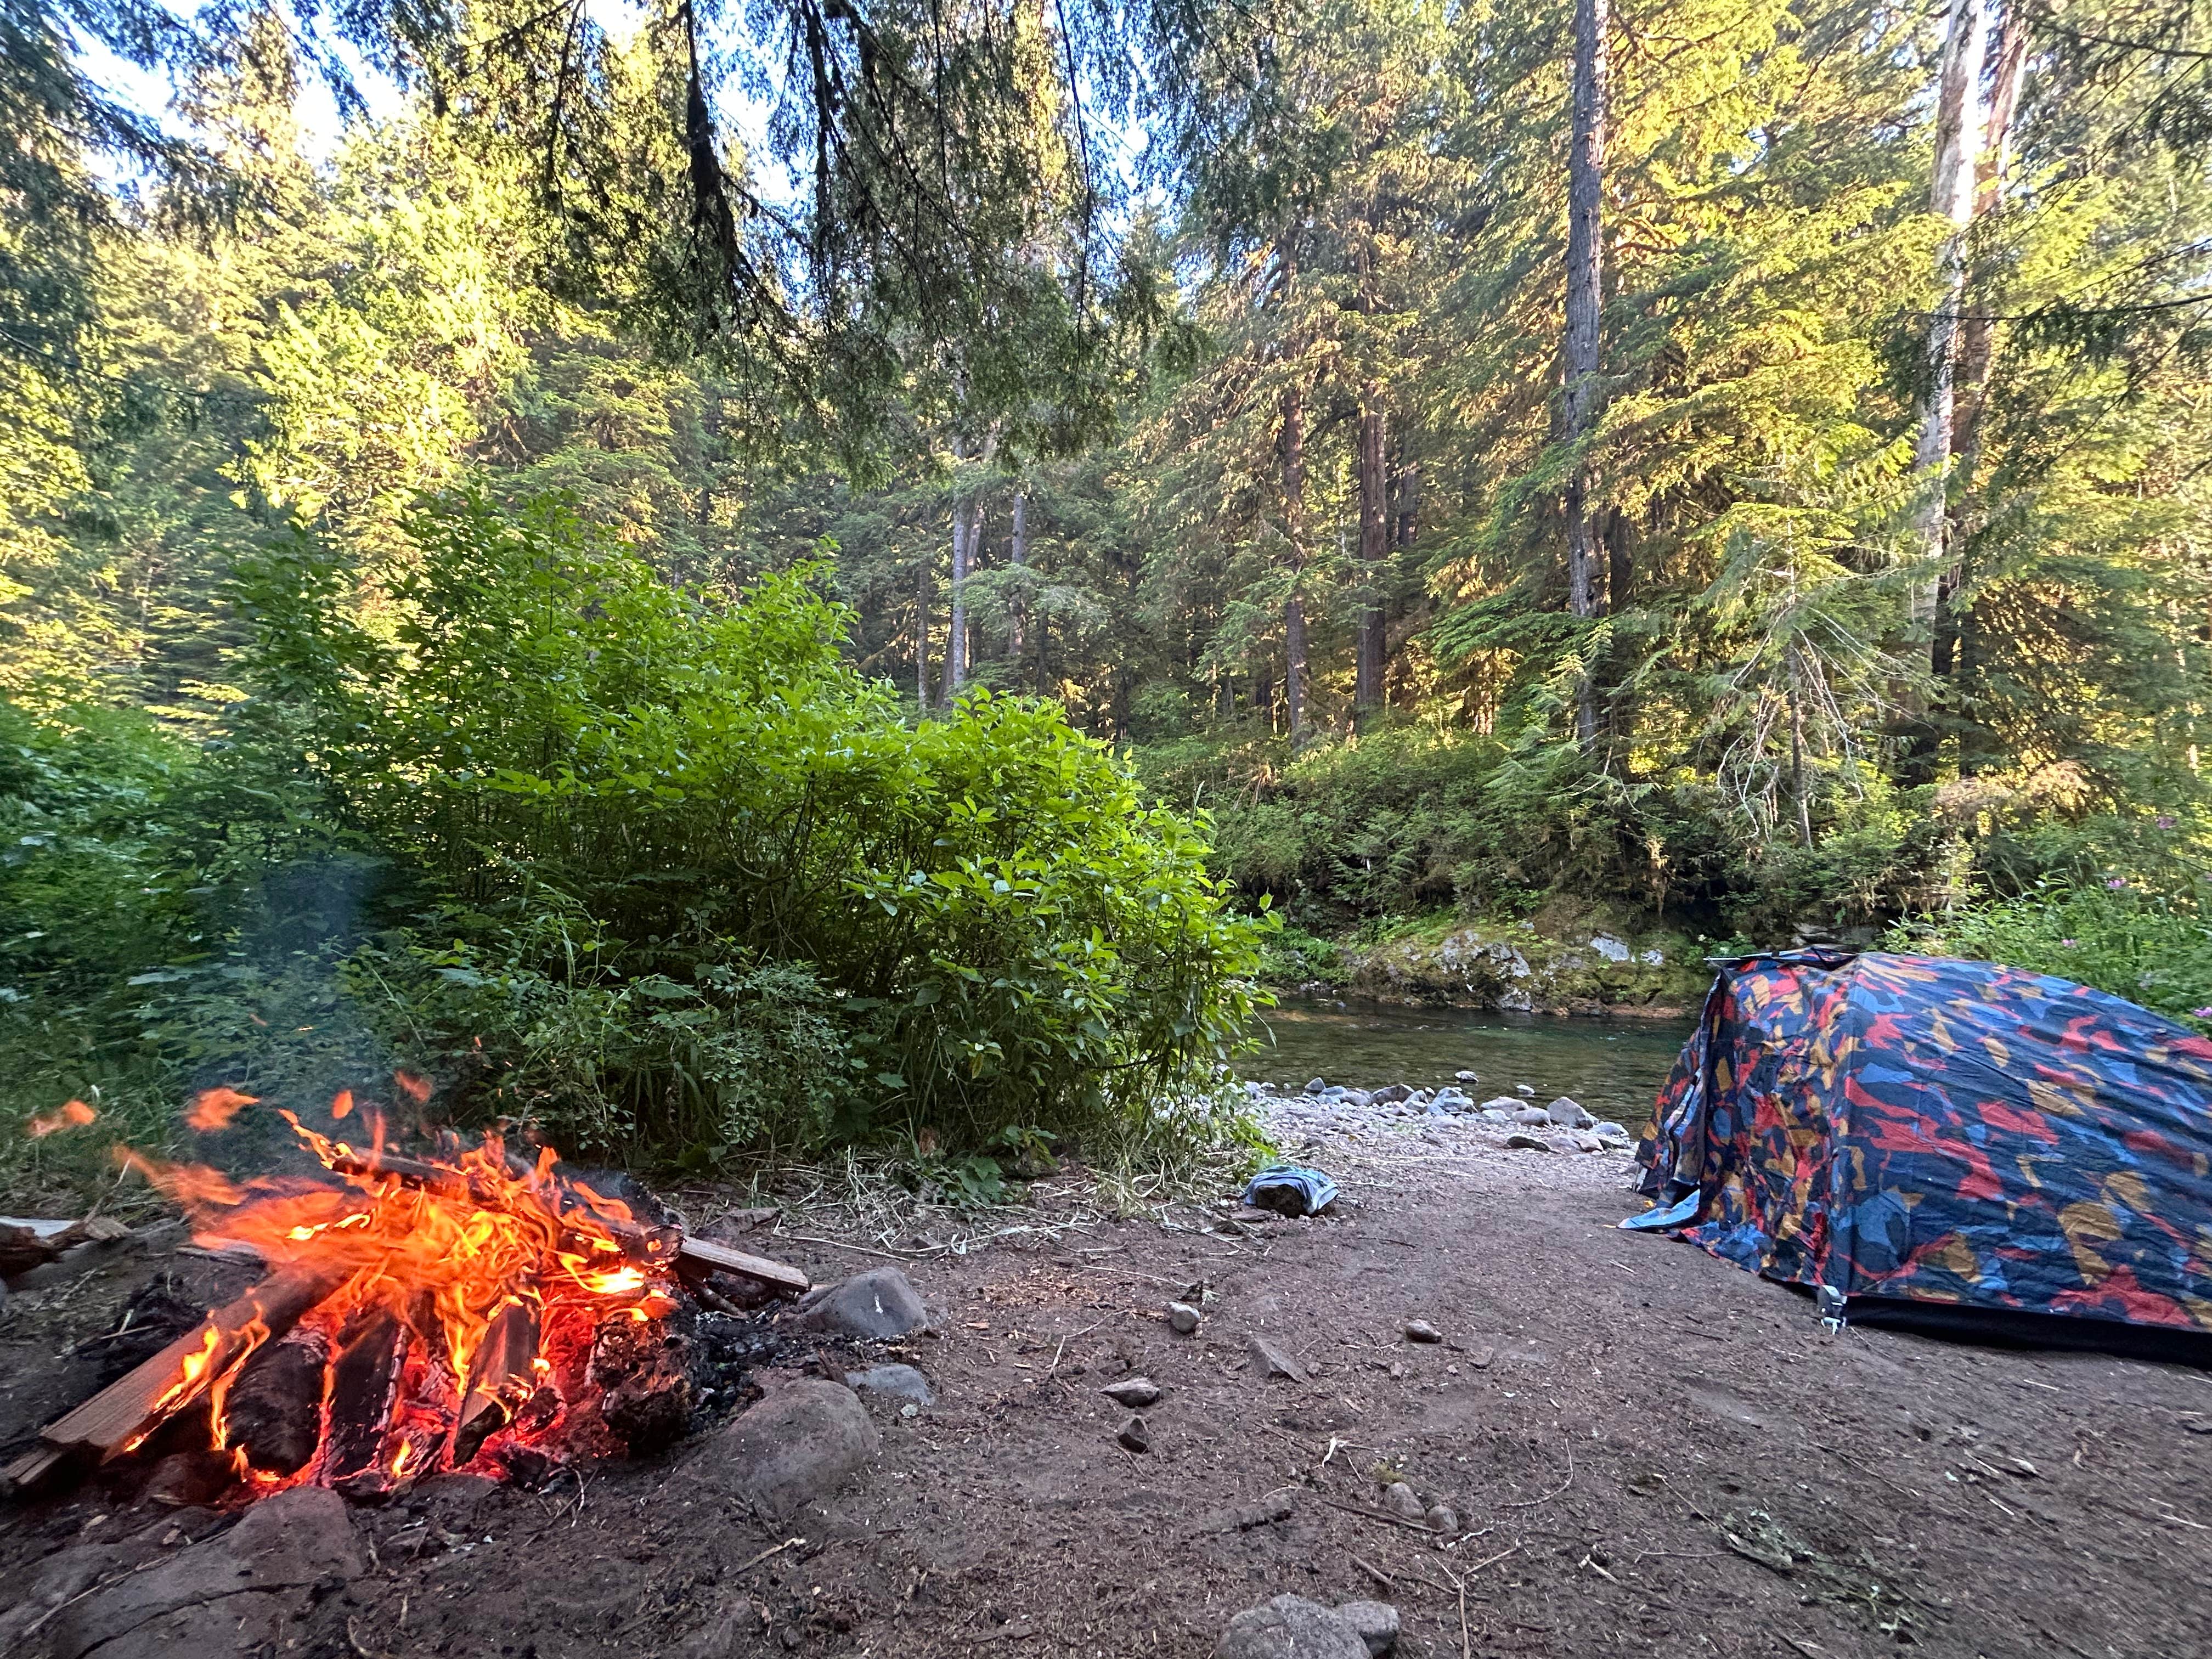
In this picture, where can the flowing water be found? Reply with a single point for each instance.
(1613, 1066)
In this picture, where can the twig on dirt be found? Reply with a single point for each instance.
(1466, 1642)
(773, 1549)
(1132, 1272)
(1054, 1370)
(1590, 1561)
(1380, 1515)
(866, 1249)
(1877, 1475)
(1530, 1504)
(1492, 1561)
(1810, 1652)
(1373, 1571)
(354, 1641)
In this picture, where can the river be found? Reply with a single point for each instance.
(1613, 1066)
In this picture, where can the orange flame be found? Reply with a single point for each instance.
(440, 1246)
(213, 1109)
(341, 1104)
(74, 1116)
(414, 1085)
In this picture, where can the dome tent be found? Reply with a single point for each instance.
(1948, 1144)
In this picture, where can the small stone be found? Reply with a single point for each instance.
(1443, 1517)
(1614, 1134)
(1316, 1084)
(1419, 1330)
(1134, 1435)
(1501, 1104)
(1134, 1392)
(1480, 1359)
(1390, 1094)
(1521, 1141)
(1466, 1077)
(1359, 1098)
(1532, 1114)
(1568, 1114)
(1271, 1361)
(1182, 1318)
(1496, 1120)
(1402, 1501)
(1524, 1088)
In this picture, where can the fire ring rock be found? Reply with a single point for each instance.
(233, 1594)
(1291, 1627)
(795, 1448)
(874, 1306)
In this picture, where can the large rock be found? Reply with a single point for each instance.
(875, 1305)
(1391, 1094)
(233, 1594)
(900, 1381)
(1291, 1627)
(1568, 1114)
(796, 1448)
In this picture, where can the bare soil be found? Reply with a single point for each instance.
(1648, 1452)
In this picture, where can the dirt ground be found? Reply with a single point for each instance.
(1648, 1452)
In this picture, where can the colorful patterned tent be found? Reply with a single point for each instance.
(1954, 1143)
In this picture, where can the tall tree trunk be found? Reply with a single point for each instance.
(1405, 520)
(1585, 185)
(1950, 197)
(1291, 447)
(923, 597)
(1977, 350)
(1017, 556)
(1374, 553)
(966, 523)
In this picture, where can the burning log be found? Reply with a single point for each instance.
(694, 1257)
(119, 1417)
(364, 1390)
(274, 1411)
(644, 1376)
(501, 1378)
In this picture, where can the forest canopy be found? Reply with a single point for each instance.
(801, 572)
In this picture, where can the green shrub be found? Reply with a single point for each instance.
(2111, 932)
(696, 884)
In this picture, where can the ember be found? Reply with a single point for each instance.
(468, 1309)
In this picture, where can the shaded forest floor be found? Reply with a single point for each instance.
(1648, 1452)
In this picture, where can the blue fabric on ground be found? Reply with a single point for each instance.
(1279, 1182)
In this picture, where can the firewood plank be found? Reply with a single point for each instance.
(502, 1362)
(704, 1256)
(133, 1404)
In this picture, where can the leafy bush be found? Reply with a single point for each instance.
(693, 882)
(2111, 932)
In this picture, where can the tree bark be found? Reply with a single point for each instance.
(1291, 445)
(1977, 351)
(1952, 198)
(1374, 553)
(1585, 185)
(965, 524)
(1017, 555)
(923, 599)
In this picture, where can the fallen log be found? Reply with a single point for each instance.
(274, 1411)
(121, 1415)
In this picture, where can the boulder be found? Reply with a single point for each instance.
(875, 1306)
(1314, 1085)
(1402, 1501)
(1531, 1114)
(1182, 1318)
(1390, 1094)
(1495, 1118)
(1614, 1134)
(1466, 1077)
(1568, 1114)
(1291, 1627)
(795, 1449)
(900, 1381)
(1501, 1104)
(1521, 1141)
(233, 1594)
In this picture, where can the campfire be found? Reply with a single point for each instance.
(461, 1307)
